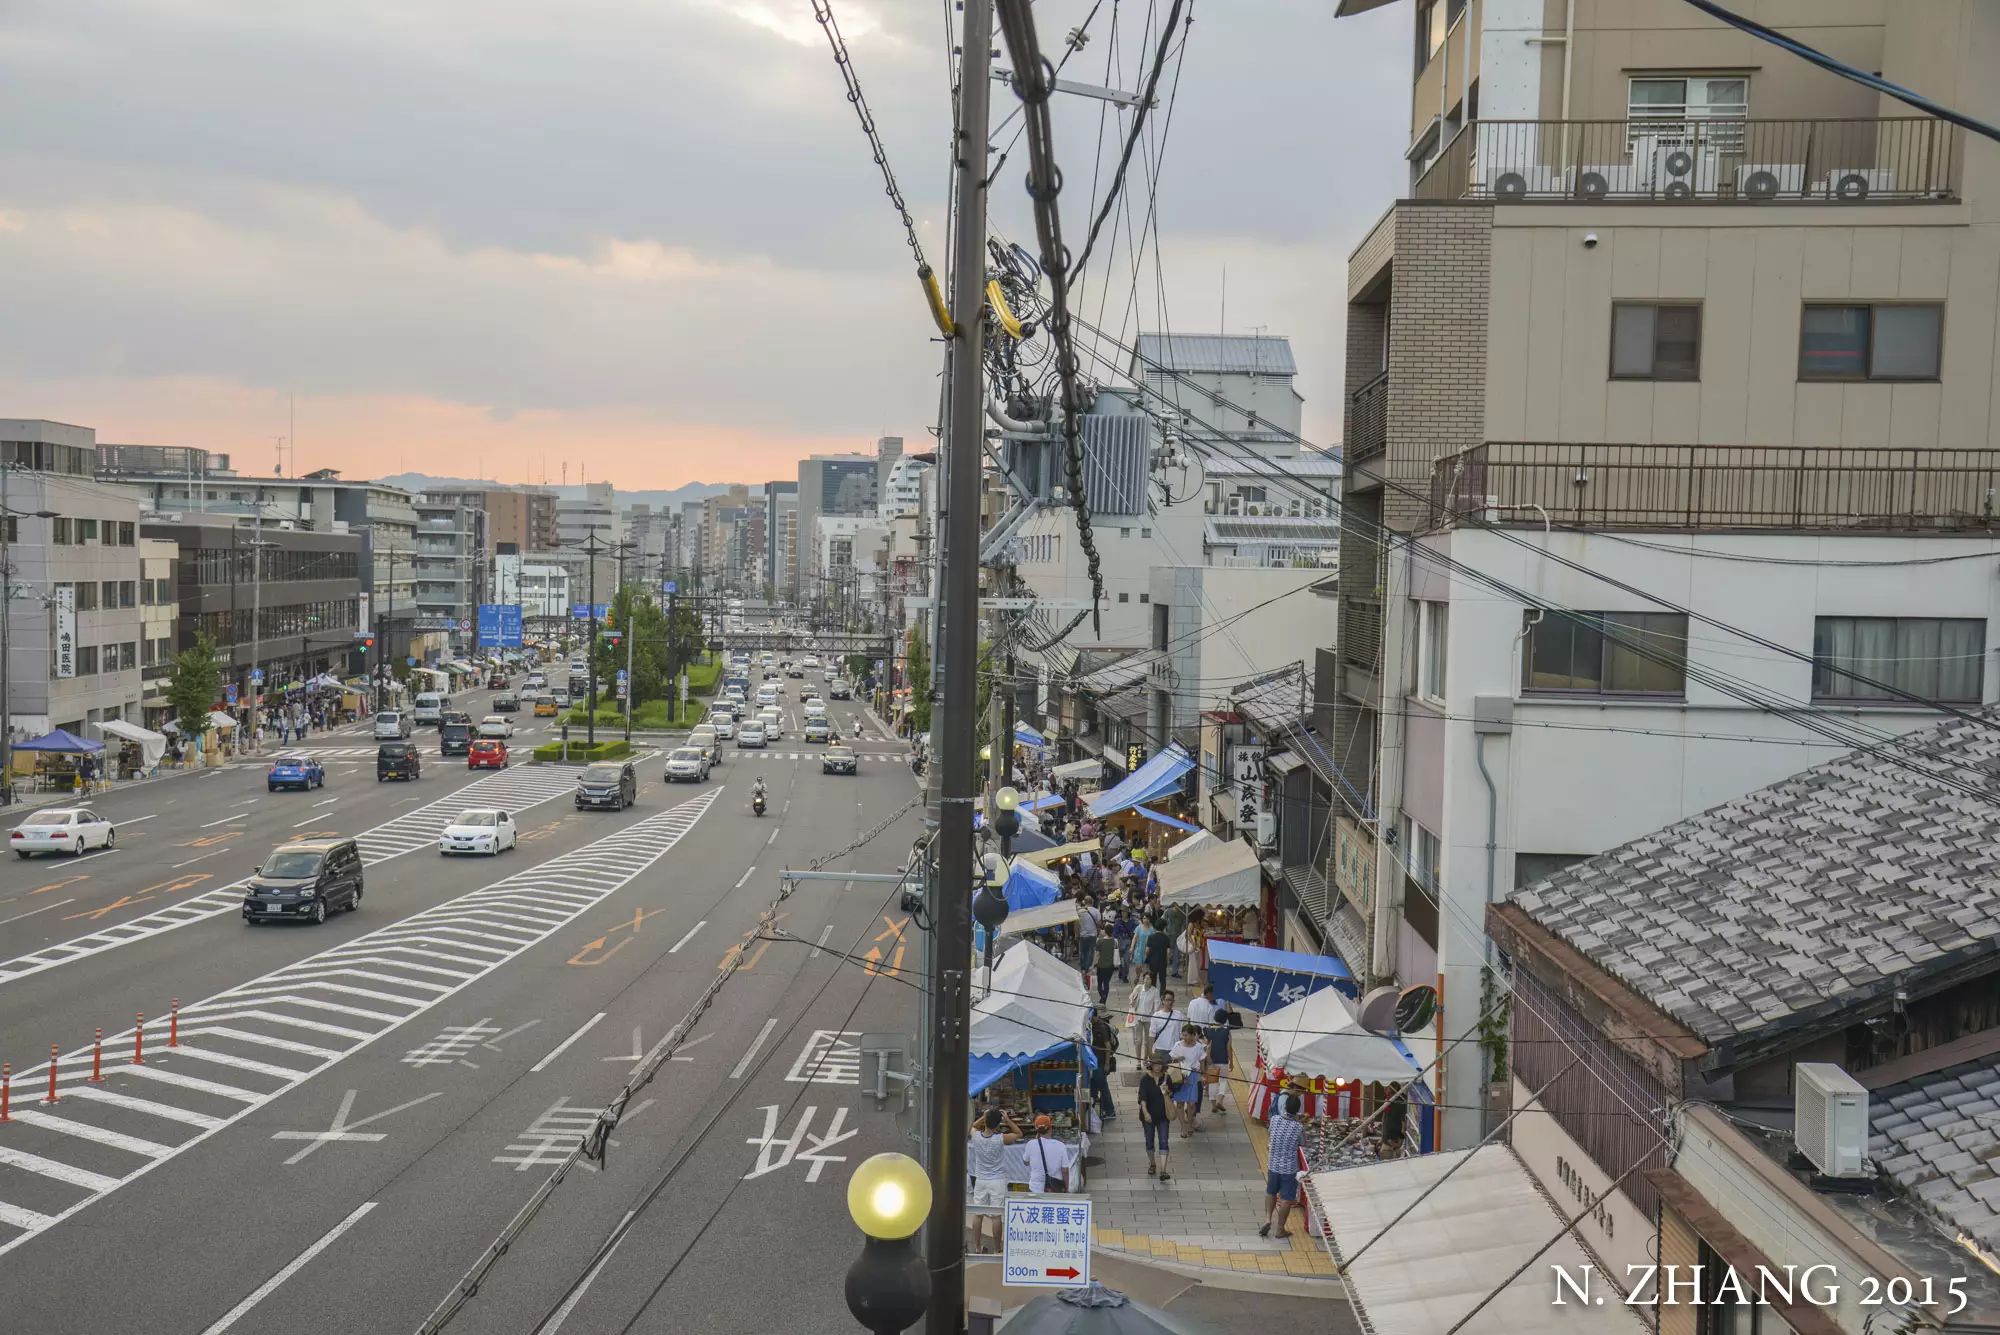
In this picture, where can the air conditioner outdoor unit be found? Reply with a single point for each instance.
(1267, 828)
(1830, 1119)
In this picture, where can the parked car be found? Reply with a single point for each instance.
(545, 706)
(493, 725)
(687, 762)
(818, 730)
(479, 830)
(506, 703)
(607, 783)
(305, 880)
(487, 753)
(391, 724)
(397, 760)
(837, 760)
(454, 736)
(751, 735)
(70, 830)
(301, 772)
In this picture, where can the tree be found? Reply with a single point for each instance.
(196, 681)
(637, 614)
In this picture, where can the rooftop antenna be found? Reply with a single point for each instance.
(1222, 317)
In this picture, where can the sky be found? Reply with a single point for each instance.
(634, 240)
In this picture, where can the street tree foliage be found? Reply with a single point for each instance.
(917, 656)
(642, 625)
(197, 680)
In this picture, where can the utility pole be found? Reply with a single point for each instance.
(590, 546)
(382, 640)
(951, 888)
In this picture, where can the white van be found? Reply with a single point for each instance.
(429, 711)
(815, 709)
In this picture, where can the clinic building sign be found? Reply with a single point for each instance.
(65, 606)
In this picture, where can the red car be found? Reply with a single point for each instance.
(487, 753)
(496, 682)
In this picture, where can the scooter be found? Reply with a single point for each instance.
(757, 803)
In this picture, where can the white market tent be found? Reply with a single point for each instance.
(1035, 1000)
(152, 745)
(1320, 1035)
(1079, 769)
(1217, 875)
(1199, 839)
(1039, 918)
(220, 721)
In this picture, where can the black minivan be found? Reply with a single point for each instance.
(397, 760)
(455, 735)
(607, 783)
(304, 881)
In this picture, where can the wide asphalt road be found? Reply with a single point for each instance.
(355, 1110)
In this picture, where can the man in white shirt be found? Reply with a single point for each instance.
(1201, 1011)
(1049, 1159)
(1163, 1026)
(986, 1160)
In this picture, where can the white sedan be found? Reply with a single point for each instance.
(479, 830)
(63, 830)
(496, 725)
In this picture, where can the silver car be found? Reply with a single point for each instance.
(687, 763)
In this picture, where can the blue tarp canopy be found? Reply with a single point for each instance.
(1259, 979)
(985, 1071)
(59, 740)
(1162, 818)
(1027, 886)
(1042, 803)
(1154, 779)
(1027, 735)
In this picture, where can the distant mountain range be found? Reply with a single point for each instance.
(658, 500)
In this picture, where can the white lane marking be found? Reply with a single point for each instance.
(130, 1104)
(750, 1053)
(225, 820)
(203, 858)
(309, 820)
(675, 948)
(746, 877)
(150, 1149)
(561, 1314)
(613, 862)
(32, 912)
(264, 1290)
(772, 840)
(247, 801)
(329, 802)
(61, 1172)
(824, 933)
(342, 1129)
(134, 820)
(561, 1047)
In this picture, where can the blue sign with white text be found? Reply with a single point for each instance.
(583, 612)
(669, 586)
(499, 626)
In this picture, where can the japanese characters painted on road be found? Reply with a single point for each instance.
(1047, 1242)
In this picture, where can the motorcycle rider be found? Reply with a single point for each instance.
(757, 793)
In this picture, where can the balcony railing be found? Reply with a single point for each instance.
(1360, 632)
(1841, 161)
(1719, 487)
(1368, 421)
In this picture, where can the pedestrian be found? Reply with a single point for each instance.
(1104, 1044)
(986, 1160)
(258, 740)
(1218, 1042)
(1190, 1056)
(1049, 1159)
(1177, 921)
(1139, 1007)
(1087, 924)
(1153, 1118)
(1106, 955)
(1281, 1176)
(1395, 1118)
(1122, 928)
(1159, 948)
(1163, 1026)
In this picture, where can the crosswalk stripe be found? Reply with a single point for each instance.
(126, 1101)
(19, 1218)
(245, 1036)
(61, 1172)
(85, 1131)
(240, 1063)
(193, 1082)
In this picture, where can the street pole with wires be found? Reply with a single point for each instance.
(951, 888)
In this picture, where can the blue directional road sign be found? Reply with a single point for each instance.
(499, 626)
(582, 611)
(256, 674)
(669, 586)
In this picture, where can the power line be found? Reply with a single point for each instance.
(1132, 135)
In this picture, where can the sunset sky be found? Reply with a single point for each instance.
(635, 239)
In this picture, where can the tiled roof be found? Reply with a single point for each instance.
(1273, 528)
(1802, 898)
(1937, 1137)
(1266, 354)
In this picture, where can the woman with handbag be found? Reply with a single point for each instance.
(1190, 1057)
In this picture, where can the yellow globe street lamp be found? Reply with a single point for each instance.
(888, 1286)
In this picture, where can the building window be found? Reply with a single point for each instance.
(86, 531)
(1433, 649)
(1605, 653)
(1870, 342)
(1654, 341)
(110, 594)
(1687, 111)
(1423, 857)
(64, 529)
(128, 533)
(11, 524)
(86, 660)
(1935, 658)
(1145, 597)
(1124, 597)
(86, 596)
(1433, 22)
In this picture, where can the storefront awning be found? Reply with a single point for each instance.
(1079, 769)
(1217, 875)
(1154, 779)
(1260, 979)
(1459, 1243)
(152, 745)
(1161, 818)
(1029, 736)
(1040, 918)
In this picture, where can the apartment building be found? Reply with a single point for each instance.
(448, 559)
(159, 616)
(523, 516)
(842, 484)
(1674, 337)
(781, 518)
(72, 547)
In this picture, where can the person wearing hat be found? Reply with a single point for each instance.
(1048, 1158)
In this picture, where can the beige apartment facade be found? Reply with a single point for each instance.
(1670, 304)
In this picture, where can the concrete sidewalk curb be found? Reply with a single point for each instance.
(1243, 1281)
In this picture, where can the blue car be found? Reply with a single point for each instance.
(301, 772)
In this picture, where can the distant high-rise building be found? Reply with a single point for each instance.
(830, 484)
(781, 508)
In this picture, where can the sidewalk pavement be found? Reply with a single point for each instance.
(1207, 1215)
(26, 800)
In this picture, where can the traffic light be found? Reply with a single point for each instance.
(368, 644)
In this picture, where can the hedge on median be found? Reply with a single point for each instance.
(581, 752)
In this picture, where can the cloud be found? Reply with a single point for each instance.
(640, 230)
